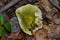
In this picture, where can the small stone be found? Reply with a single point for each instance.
(15, 25)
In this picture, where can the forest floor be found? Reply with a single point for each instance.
(51, 21)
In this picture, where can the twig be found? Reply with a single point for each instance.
(13, 2)
(55, 4)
